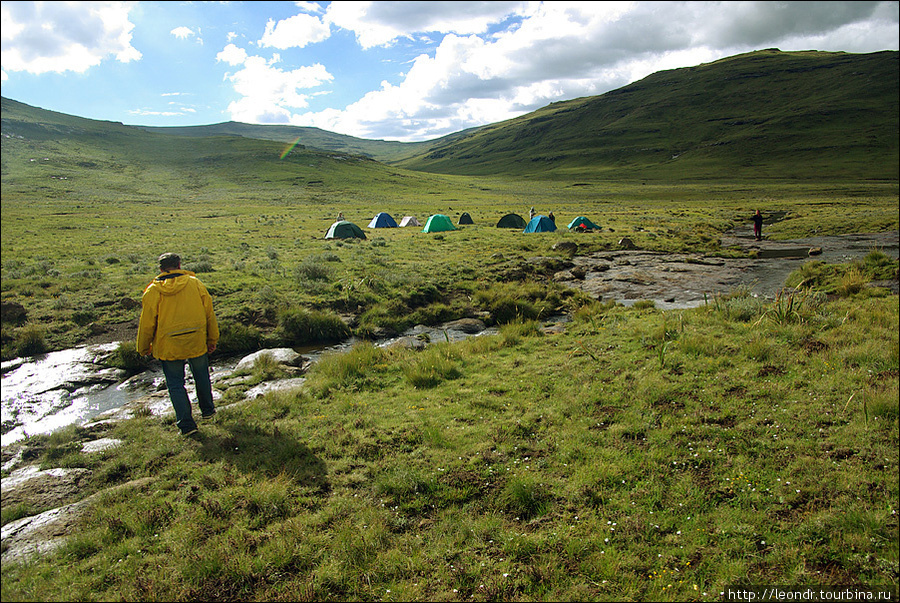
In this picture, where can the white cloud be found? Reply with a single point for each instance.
(381, 23)
(233, 55)
(182, 33)
(269, 93)
(42, 37)
(294, 32)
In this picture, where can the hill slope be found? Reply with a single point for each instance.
(767, 114)
(53, 154)
(380, 150)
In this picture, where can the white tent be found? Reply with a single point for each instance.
(409, 221)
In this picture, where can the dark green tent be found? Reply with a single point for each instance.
(465, 219)
(512, 221)
(345, 230)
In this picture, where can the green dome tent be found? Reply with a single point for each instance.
(512, 221)
(582, 223)
(345, 230)
(438, 223)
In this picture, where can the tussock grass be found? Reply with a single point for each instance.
(567, 466)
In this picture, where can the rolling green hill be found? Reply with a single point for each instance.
(380, 150)
(767, 114)
(53, 155)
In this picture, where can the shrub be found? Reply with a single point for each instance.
(200, 266)
(879, 266)
(431, 367)
(30, 341)
(236, 338)
(524, 498)
(851, 282)
(312, 270)
(127, 358)
(353, 369)
(299, 327)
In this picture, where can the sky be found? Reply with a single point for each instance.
(406, 71)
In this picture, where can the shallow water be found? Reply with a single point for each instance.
(48, 392)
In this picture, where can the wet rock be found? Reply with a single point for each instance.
(43, 533)
(274, 386)
(285, 356)
(566, 247)
(40, 489)
(470, 326)
(409, 342)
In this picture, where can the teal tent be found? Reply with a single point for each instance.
(345, 230)
(465, 219)
(383, 220)
(582, 223)
(438, 223)
(540, 224)
(512, 221)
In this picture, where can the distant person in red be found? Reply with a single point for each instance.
(757, 225)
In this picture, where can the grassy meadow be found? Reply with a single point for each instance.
(634, 454)
(79, 248)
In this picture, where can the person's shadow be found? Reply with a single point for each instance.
(252, 449)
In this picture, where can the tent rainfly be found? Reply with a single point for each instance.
(438, 223)
(345, 230)
(540, 224)
(409, 221)
(465, 219)
(382, 220)
(512, 221)
(582, 223)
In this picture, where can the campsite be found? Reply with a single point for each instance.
(626, 452)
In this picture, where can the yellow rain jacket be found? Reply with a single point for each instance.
(177, 318)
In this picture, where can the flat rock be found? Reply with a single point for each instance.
(285, 356)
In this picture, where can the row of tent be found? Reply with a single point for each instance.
(343, 229)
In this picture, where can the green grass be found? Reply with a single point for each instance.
(572, 466)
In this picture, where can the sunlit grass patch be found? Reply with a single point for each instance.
(431, 366)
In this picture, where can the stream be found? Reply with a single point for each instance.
(45, 393)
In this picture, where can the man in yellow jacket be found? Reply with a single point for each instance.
(178, 325)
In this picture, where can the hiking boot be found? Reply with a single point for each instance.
(191, 432)
(209, 415)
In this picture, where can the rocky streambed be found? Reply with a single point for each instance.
(684, 280)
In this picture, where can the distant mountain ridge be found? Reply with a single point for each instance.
(765, 114)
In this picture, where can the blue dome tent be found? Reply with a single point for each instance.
(540, 224)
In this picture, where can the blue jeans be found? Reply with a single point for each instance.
(174, 372)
